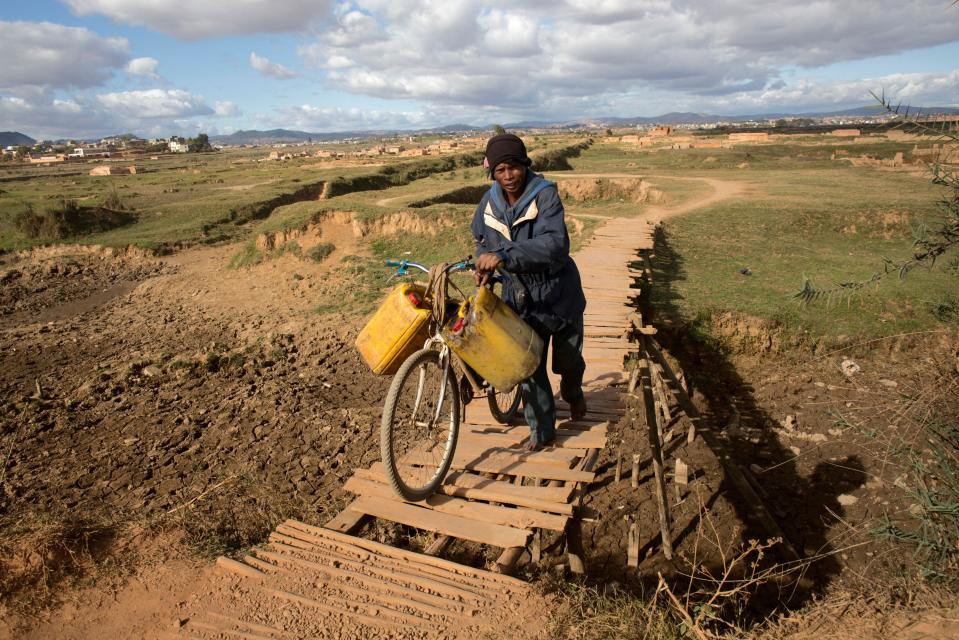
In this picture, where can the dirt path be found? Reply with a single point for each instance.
(384, 202)
(721, 190)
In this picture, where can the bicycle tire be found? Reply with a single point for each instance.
(402, 437)
(503, 413)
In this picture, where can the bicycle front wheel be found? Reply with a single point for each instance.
(503, 405)
(420, 425)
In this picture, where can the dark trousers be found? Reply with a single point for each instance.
(539, 407)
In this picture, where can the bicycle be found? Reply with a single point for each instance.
(421, 414)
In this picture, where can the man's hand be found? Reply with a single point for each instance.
(486, 264)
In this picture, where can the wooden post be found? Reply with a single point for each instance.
(619, 466)
(634, 476)
(536, 549)
(632, 544)
(681, 378)
(436, 547)
(733, 473)
(654, 444)
(680, 478)
(659, 387)
(574, 547)
(685, 402)
(507, 560)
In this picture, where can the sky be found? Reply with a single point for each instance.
(90, 68)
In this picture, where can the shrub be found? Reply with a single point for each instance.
(68, 219)
(321, 251)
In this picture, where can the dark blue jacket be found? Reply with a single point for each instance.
(532, 240)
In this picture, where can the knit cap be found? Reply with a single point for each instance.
(506, 147)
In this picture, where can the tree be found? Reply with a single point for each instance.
(498, 130)
(609, 132)
(200, 143)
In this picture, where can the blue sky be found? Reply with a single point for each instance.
(82, 68)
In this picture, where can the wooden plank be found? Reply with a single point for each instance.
(577, 443)
(550, 498)
(525, 469)
(462, 484)
(467, 454)
(348, 521)
(513, 517)
(239, 568)
(495, 535)
(532, 470)
(473, 444)
(454, 568)
(563, 428)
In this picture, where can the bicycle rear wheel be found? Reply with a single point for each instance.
(503, 406)
(420, 425)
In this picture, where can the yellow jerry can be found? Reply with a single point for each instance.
(398, 328)
(494, 341)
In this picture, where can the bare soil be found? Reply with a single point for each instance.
(133, 387)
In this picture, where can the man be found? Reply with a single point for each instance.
(520, 226)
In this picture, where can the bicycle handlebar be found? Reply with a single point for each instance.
(404, 265)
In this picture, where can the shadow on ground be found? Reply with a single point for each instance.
(803, 506)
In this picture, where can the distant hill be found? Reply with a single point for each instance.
(276, 136)
(15, 138)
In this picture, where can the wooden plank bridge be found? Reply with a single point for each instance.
(496, 494)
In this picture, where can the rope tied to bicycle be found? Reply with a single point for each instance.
(436, 291)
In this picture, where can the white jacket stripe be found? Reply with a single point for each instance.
(494, 223)
(531, 212)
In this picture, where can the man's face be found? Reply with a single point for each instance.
(511, 177)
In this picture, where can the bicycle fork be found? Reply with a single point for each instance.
(444, 364)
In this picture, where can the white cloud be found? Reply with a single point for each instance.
(808, 94)
(67, 106)
(148, 113)
(43, 55)
(509, 35)
(154, 103)
(539, 56)
(226, 109)
(196, 19)
(146, 67)
(267, 68)
(318, 119)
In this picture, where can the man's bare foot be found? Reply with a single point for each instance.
(531, 445)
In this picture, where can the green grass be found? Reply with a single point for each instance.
(190, 199)
(832, 226)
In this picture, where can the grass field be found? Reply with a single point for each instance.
(802, 213)
(834, 225)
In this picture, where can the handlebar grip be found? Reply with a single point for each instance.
(393, 263)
